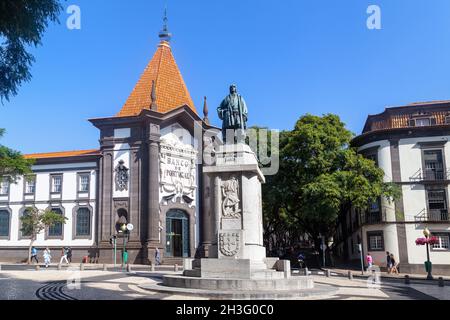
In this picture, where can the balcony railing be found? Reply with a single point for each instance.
(433, 216)
(431, 175)
(375, 217)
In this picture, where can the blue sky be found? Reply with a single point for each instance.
(288, 57)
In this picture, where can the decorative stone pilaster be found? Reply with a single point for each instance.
(153, 189)
(207, 216)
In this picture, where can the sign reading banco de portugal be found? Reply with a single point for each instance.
(178, 171)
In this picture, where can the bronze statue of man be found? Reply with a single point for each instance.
(233, 112)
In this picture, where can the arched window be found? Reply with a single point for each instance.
(83, 224)
(57, 229)
(4, 223)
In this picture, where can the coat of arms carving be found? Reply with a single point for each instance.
(229, 243)
(178, 170)
(230, 199)
(121, 178)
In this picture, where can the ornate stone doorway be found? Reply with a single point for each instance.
(177, 234)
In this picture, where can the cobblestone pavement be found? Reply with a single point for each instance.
(359, 289)
(106, 285)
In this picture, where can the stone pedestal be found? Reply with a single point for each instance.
(236, 196)
(236, 257)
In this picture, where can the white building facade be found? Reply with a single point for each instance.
(411, 144)
(65, 183)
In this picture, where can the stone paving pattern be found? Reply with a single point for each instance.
(51, 284)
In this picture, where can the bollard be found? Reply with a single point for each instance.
(306, 272)
(350, 275)
(328, 273)
(175, 268)
(407, 280)
(38, 267)
(59, 266)
(152, 266)
(0, 267)
(128, 268)
(441, 282)
(82, 267)
(105, 267)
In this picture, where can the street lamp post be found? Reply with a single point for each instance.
(428, 264)
(330, 243)
(324, 248)
(124, 232)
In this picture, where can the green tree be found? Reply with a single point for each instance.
(34, 221)
(12, 163)
(280, 231)
(22, 24)
(321, 176)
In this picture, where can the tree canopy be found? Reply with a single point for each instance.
(34, 221)
(320, 176)
(22, 24)
(12, 163)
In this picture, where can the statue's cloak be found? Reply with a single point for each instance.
(233, 112)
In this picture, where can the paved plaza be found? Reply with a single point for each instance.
(53, 284)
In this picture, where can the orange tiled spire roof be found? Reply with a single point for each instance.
(162, 71)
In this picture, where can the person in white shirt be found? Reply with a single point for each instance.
(47, 257)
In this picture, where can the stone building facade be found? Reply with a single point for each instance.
(411, 144)
(147, 172)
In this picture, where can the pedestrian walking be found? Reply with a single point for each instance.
(63, 256)
(388, 262)
(369, 260)
(47, 257)
(301, 261)
(394, 264)
(157, 257)
(34, 253)
(69, 254)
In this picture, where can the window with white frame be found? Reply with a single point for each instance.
(56, 230)
(27, 232)
(4, 187)
(30, 185)
(83, 182)
(423, 122)
(56, 185)
(83, 222)
(443, 241)
(4, 223)
(375, 241)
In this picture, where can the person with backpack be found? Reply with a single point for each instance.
(394, 268)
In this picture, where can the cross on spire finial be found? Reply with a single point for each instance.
(165, 35)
